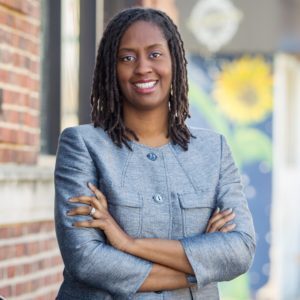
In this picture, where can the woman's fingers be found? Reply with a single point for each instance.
(217, 226)
(228, 228)
(216, 217)
(217, 210)
(213, 217)
(99, 195)
(217, 221)
(81, 210)
(91, 224)
(92, 201)
(96, 206)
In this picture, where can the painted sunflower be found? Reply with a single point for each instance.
(243, 90)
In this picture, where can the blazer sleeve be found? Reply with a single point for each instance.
(221, 256)
(86, 255)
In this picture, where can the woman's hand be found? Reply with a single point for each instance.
(218, 221)
(97, 208)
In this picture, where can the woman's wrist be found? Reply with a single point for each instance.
(116, 236)
(130, 244)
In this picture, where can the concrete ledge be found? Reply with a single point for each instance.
(27, 192)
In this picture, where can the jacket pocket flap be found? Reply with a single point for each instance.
(123, 196)
(204, 198)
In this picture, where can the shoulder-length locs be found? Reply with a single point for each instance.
(106, 97)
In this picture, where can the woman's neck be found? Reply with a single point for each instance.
(151, 127)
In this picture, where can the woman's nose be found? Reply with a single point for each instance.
(143, 66)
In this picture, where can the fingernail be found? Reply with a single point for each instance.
(90, 185)
(218, 210)
(71, 200)
(229, 210)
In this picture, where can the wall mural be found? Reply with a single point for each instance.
(233, 95)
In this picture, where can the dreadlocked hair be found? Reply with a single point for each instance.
(106, 97)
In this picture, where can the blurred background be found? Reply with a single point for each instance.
(244, 76)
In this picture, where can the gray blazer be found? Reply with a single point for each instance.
(153, 192)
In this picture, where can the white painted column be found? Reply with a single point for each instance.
(284, 283)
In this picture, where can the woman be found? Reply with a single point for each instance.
(144, 204)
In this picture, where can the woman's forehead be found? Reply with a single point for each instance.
(142, 33)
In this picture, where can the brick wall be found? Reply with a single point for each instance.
(30, 262)
(19, 80)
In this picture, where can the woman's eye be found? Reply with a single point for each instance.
(127, 58)
(155, 54)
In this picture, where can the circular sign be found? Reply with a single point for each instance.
(214, 22)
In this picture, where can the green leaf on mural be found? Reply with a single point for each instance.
(206, 106)
(247, 144)
(251, 145)
(237, 289)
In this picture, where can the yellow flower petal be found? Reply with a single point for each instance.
(243, 90)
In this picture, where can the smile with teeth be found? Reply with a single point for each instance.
(145, 85)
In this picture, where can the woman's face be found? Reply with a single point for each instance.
(144, 67)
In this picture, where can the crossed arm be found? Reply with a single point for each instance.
(171, 264)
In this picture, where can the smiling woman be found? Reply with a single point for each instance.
(145, 205)
(144, 69)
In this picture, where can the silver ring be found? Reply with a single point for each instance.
(92, 212)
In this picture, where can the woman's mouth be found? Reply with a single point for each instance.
(145, 87)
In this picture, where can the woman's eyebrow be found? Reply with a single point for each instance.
(128, 48)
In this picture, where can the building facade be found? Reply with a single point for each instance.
(47, 54)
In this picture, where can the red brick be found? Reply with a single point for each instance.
(20, 138)
(2, 16)
(21, 288)
(31, 248)
(56, 260)
(19, 41)
(11, 271)
(19, 158)
(5, 56)
(24, 7)
(33, 227)
(20, 250)
(43, 263)
(26, 268)
(4, 76)
(34, 267)
(5, 156)
(10, 116)
(34, 67)
(25, 157)
(25, 26)
(6, 291)
(19, 270)
(3, 273)
(11, 97)
(7, 252)
(14, 136)
(4, 231)
(33, 102)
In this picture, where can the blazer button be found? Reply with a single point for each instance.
(152, 156)
(158, 198)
